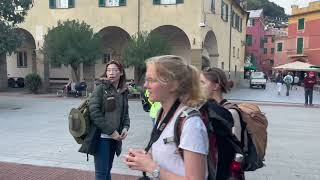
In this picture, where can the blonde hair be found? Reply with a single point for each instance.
(171, 68)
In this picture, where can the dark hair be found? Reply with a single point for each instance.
(216, 75)
(122, 81)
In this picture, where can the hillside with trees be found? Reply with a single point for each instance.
(270, 9)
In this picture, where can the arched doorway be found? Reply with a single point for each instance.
(23, 60)
(177, 39)
(210, 53)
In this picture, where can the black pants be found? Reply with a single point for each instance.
(308, 94)
(288, 88)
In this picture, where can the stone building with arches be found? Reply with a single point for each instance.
(205, 32)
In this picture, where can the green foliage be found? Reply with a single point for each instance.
(270, 8)
(33, 82)
(72, 43)
(14, 11)
(142, 46)
(10, 40)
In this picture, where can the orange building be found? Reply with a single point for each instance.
(303, 41)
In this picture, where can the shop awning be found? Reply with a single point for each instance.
(297, 66)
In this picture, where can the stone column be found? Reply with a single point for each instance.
(34, 61)
(196, 58)
(89, 76)
(3, 72)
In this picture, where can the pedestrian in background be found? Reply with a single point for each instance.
(309, 81)
(279, 83)
(176, 86)
(288, 79)
(154, 108)
(109, 113)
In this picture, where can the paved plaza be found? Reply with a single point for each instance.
(34, 130)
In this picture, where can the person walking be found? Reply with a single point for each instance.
(108, 107)
(176, 86)
(296, 80)
(215, 83)
(309, 81)
(288, 79)
(279, 83)
(154, 108)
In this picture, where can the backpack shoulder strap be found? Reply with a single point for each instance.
(180, 119)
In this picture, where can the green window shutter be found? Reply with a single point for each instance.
(156, 2)
(301, 24)
(227, 12)
(71, 4)
(240, 27)
(222, 10)
(272, 50)
(102, 3)
(265, 50)
(179, 1)
(122, 2)
(253, 22)
(279, 47)
(249, 39)
(52, 4)
(299, 45)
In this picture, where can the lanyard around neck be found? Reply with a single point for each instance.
(156, 131)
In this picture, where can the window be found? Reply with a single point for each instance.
(61, 4)
(261, 42)
(224, 11)
(106, 58)
(265, 50)
(235, 71)
(272, 50)
(238, 53)
(279, 47)
(251, 22)
(301, 24)
(265, 39)
(299, 45)
(112, 3)
(167, 1)
(234, 51)
(222, 65)
(249, 39)
(213, 6)
(272, 39)
(22, 59)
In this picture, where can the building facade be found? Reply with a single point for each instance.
(255, 38)
(303, 40)
(205, 32)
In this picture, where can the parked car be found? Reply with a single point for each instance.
(258, 79)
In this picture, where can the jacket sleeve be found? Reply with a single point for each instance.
(126, 120)
(96, 114)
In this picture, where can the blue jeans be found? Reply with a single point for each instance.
(308, 93)
(103, 158)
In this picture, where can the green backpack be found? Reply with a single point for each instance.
(79, 121)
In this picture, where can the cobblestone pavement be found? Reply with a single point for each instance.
(34, 131)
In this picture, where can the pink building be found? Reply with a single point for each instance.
(255, 37)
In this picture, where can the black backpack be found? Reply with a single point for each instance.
(219, 123)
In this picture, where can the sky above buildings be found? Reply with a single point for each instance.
(286, 4)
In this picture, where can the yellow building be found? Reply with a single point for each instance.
(205, 32)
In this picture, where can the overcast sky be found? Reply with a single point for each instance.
(286, 4)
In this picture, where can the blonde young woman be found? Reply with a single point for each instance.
(171, 81)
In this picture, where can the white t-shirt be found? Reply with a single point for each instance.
(193, 138)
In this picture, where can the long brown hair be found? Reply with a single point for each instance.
(122, 81)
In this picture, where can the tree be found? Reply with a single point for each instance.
(140, 47)
(12, 12)
(72, 43)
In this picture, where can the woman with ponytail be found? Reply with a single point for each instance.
(176, 86)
